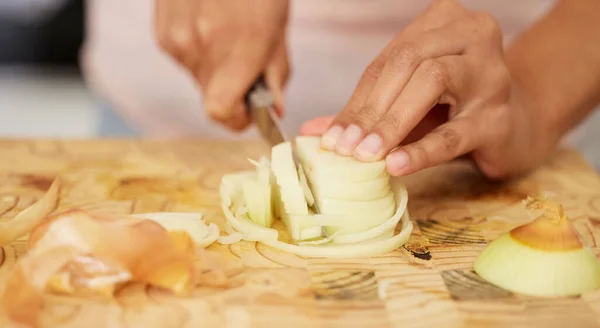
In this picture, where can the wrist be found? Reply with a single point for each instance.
(536, 132)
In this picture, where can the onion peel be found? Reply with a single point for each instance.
(153, 256)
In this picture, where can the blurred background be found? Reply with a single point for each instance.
(43, 92)
(40, 77)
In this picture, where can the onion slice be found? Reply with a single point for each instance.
(203, 234)
(27, 219)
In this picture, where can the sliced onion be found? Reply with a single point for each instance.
(375, 241)
(27, 219)
(374, 247)
(401, 196)
(193, 223)
(231, 238)
(229, 191)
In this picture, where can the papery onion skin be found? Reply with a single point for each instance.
(153, 256)
(551, 231)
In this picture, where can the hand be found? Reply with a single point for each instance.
(448, 57)
(226, 45)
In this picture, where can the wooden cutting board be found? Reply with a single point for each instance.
(427, 283)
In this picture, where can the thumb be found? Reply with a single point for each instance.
(232, 78)
(317, 126)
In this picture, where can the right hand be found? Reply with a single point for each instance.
(226, 45)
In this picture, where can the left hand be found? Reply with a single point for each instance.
(448, 57)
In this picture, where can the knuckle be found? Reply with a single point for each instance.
(403, 56)
(437, 72)
(373, 71)
(419, 154)
(389, 126)
(448, 138)
(366, 116)
(180, 37)
(486, 24)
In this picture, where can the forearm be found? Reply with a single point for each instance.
(556, 67)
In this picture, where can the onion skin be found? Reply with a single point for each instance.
(143, 249)
(548, 236)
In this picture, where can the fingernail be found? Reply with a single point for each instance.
(370, 146)
(396, 161)
(330, 138)
(349, 140)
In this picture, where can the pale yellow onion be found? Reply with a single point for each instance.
(544, 257)
(231, 238)
(375, 247)
(322, 163)
(267, 236)
(228, 192)
(513, 266)
(193, 223)
(27, 219)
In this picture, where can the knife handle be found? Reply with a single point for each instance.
(258, 96)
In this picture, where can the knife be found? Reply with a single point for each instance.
(259, 103)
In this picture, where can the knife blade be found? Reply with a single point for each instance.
(259, 102)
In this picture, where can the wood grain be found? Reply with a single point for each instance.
(429, 281)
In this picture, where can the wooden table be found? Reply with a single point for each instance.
(430, 282)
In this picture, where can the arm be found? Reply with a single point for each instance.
(556, 67)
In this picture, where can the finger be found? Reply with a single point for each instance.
(362, 90)
(276, 76)
(239, 120)
(401, 64)
(431, 81)
(175, 31)
(317, 126)
(449, 141)
(231, 80)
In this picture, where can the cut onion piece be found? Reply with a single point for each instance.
(231, 238)
(401, 197)
(27, 219)
(328, 165)
(342, 190)
(286, 175)
(202, 234)
(374, 247)
(257, 195)
(230, 197)
(308, 194)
